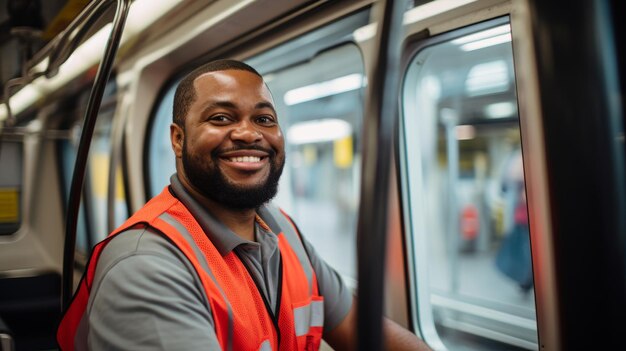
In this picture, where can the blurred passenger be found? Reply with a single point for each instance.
(210, 263)
(514, 258)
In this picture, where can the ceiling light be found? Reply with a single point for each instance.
(143, 13)
(480, 44)
(320, 130)
(319, 90)
(500, 109)
(431, 9)
(487, 78)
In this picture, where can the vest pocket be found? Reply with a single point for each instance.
(308, 320)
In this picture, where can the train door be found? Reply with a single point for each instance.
(510, 132)
(464, 197)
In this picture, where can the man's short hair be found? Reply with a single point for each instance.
(186, 93)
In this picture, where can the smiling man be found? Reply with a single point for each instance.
(211, 263)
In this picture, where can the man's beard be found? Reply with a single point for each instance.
(207, 178)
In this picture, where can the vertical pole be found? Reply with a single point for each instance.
(91, 115)
(380, 121)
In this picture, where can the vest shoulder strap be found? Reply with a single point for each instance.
(280, 223)
(150, 211)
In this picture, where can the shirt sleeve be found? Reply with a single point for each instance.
(147, 296)
(337, 296)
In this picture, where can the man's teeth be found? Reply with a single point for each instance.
(245, 159)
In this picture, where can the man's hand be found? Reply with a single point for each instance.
(397, 338)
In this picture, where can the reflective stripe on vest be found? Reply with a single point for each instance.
(266, 346)
(202, 260)
(240, 318)
(307, 316)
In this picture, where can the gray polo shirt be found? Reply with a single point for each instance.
(147, 295)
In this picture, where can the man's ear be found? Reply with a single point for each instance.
(177, 136)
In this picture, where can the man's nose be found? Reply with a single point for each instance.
(246, 132)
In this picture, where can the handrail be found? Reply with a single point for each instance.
(379, 126)
(92, 10)
(57, 51)
(91, 115)
(62, 49)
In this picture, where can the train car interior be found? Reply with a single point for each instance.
(504, 195)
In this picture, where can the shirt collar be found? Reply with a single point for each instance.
(224, 239)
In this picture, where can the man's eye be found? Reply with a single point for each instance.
(266, 120)
(219, 119)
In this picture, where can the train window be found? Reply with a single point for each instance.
(67, 150)
(162, 163)
(317, 82)
(99, 162)
(320, 106)
(465, 198)
(10, 186)
(92, 222)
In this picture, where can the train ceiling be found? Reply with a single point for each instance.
(26, 26)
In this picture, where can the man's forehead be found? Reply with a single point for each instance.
(206, 83)
(229, 76)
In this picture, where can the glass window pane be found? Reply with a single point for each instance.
(319, 104)
(162, 163)
(92, 221)
(68, 151)
(467, 196)
(98, 173)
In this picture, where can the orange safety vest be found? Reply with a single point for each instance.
(241, 319)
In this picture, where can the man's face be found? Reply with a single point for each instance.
(233, 148)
